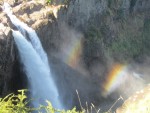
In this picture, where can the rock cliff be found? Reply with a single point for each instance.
(106, 31)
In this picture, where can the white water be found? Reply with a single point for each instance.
(23, 28)
(35, 62)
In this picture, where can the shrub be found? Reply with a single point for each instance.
(15, 103)
(18, 103)
(48, 1)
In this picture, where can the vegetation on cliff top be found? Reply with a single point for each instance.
(128, 41)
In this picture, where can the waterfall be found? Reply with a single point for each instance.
(23, 28)
(35, 62)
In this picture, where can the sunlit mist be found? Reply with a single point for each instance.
(74, 53)
(137, 103)
(114, 78)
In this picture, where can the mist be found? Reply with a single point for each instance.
(72, 73)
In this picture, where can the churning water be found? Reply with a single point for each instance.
(35, 62)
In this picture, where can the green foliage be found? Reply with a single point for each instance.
(54, 2)
(66, 2)
(94, 42)
(19, 104)
(14, 103)
(49, 1)
(114, 4)
(126, 44)
(109, 3)
(120, 14)
(146, 36)
(132, 4)
(94, 34)
(125, 48)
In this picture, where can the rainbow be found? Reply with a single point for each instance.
(114, 78)
(74, 53)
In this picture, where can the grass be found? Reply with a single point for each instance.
(18, 103)
(49, 1)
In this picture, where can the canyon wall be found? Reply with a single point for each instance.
(106, 31)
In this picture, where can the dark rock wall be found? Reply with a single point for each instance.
(6, 59)
(11, 73)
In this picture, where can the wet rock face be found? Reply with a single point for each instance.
(6, 55)
(82, 11)
(79, 13)
(12, 76)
